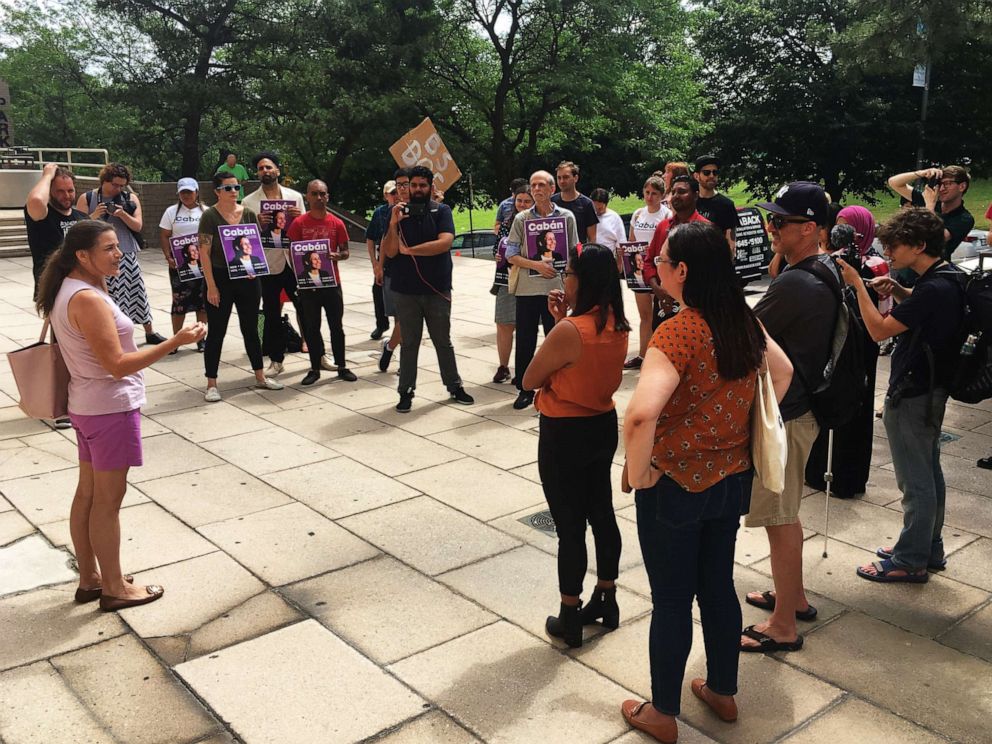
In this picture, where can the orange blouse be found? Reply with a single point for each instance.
(703, 434)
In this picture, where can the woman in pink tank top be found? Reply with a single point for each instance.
(106, 392)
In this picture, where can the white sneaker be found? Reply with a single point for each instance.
(274, 369)
(325, 363)
(266, 385)
(212, 396)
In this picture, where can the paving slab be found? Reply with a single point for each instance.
(360, 396)
(32, 562)
(256, 616)
(687, 735)
(287, 543)
(213, 494)
(13, 423)
(172, 397)
(340, 486)
(20, 461)
(427, 535)
(13, 527)
(386, 610)
(928, 609)
(431, 418)
(217, 421)
(970, 565)
(133, 696)
(492, 443)
(870, 722)
(969, 511)
(394, 452)
(150, 537)
(476, 488)
(973, 635)
(268, 691)
(22, 689)
(260, 452)
(532, 594)
(552, 698)
(322, 421)
(434, 727)
(922, 682)
(169, 454)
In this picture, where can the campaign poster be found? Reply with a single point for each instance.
(312, 264)
(546, 241)
(502, 266)
(186, 254)
(633, 265)
(279, 209)
(754, 249)
(243, 252)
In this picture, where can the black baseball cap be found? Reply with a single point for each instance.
(703, 160)
(800, 199)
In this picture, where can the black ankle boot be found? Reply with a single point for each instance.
(602, 604)
(567, 626)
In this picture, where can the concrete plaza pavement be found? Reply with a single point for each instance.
(338, 572)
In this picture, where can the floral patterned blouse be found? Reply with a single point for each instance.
(703, 434)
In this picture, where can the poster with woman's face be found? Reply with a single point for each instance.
(546, 241)
(243, 252)
(633, 265)
(186, 254)
(279, 209)
(312, 264)
(502, 278)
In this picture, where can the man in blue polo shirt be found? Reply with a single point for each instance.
(417, 244)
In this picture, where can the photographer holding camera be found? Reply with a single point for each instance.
(942, 193)
(417, 243)
(114, 203)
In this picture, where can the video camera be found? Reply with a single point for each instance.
(844, 239)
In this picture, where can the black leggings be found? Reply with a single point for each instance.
(244, 294)
(274, 335)
(574, 456)
(531, 311)
(331, 301)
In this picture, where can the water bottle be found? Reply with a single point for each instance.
(968, 347)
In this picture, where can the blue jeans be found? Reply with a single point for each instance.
(688, 540)
(915, 446)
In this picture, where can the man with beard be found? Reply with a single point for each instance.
(580, 205)
(49, 214)
(717, 208)
(281, 277)
(417, 244)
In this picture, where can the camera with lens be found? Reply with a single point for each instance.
(111, 207)
(843, 239)
(415, 209)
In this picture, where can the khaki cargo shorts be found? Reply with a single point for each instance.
(767, 508)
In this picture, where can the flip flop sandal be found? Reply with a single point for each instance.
(809, 614)
(883, 553)
(767, 644)
(884, 569)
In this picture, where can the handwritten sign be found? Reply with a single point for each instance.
(6, 127)
(422, 145)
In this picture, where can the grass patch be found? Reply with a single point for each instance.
(976, 200)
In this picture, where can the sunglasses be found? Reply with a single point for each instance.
(227, 187)
(778, 221)
(710, 171)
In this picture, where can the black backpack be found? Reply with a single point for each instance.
(841, 393)
(971, 381)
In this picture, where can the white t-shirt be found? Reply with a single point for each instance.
(610, 230)
(181, 220)
(643, 222)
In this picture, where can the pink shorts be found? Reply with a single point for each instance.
(111, 441)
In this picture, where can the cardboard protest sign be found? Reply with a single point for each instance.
(422, 145)
(546, 241)
(312, 264)
(186, 253)
(502, 267)
(754, 249)
(243, 252)
(633, 265)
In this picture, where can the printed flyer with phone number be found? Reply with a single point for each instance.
(243, 252)
(546, 241)
(312, 264)
(186, 254)
(633, 265)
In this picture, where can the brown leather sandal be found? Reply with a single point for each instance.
(92, 595)
(665, 733)
(112, 604)
(726, 710)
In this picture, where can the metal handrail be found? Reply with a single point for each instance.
(68, 151)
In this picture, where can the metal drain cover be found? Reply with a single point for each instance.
(542, 521)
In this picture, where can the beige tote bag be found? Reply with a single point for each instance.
(769, 448)
(42, 377)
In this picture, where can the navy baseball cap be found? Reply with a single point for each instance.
(800, 199)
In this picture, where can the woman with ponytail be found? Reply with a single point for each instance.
(688, 447)
(106, 392)
(576, 372)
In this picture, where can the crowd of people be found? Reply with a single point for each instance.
(700, 351)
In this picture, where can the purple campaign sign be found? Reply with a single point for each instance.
(546, 241)
(633, 265)
(243, 252)
(312, 264)
(186, 254)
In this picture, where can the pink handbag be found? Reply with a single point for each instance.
(42, 377)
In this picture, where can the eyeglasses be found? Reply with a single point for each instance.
(227, 187)
(778, 221)
(659, 260)
(710, 171)
(404, 185)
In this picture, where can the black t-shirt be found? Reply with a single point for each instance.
(44, 236)
(958, 222)
(936, 308)
(584, 211)
(799, 311)
(719, 210)
(423, 274)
